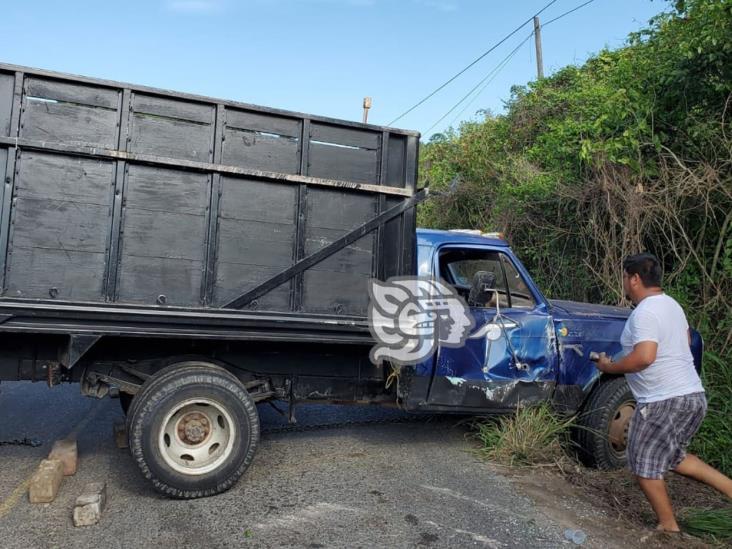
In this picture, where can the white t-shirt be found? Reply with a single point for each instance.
(661, 319)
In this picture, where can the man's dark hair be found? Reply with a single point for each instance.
(646, 266)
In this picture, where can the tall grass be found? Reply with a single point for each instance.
(530, 436)
(713, 442)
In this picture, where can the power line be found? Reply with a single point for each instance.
(499, 67)
(567, 13)
(509, 35)
(480, 91)
(492, 74)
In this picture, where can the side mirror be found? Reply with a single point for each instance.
(482, 289)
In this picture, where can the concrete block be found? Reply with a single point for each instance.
(90, 504)
(46, 481)
(66, 452)
(120, 435)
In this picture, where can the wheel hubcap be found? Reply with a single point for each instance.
(197, 436)
(620, 425)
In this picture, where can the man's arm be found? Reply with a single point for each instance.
(640, 358)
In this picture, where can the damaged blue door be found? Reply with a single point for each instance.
(511, 356)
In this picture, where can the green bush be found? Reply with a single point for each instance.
(630, 152)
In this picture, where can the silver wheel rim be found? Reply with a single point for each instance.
(197, 436)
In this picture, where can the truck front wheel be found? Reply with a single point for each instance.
(193, 430)
(602, 431)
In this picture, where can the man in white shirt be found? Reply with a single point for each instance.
(671, 405)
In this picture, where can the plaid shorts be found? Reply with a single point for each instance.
(661, 431)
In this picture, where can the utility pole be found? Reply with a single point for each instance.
(366, 107)
(537, 40)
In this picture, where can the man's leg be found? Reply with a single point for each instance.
(695, 468)
(655, 491)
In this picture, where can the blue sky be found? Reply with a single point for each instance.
(314, 56)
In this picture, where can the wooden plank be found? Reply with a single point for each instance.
(165, 190)
(339, 293)
(355, 258)
(247, 120)
(65, 178)
(172, 138)
(257, 151)
(158, 234)
(255, 242)
(396, 162)
(7, 82)
(331, 162)
(333, 209)
(67, 274)
(64, 225)
(72, 93)
(346, 137)
(69, 123)
(171, 108)
(257, 200)
(143, 279)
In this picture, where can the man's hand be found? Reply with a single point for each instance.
(604, 363)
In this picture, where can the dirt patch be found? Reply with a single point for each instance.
(608, 505)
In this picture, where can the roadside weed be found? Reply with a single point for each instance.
(530, 436)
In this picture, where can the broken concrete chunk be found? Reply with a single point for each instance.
(120, 435)
(46, 481)
(66, 452)
(90, 504)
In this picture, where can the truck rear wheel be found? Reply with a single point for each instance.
(602, 432)
(193, 430)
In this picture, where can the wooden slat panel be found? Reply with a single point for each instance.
(256, 200)
(171, 108)
(171, 138)
(255, 242)
(167, 190)
(328, 287)
(329, 162)
(7, 81)
(66, 225)
(345, 136)
(143, 279)
(33, 272)
(249, 149)
(233, 279)
(72, 93)
(245, 120)
(396, 161)
(329, 292)
(65, 178)
(256, 238)
(69, 123)
(163, 234)
(337, 209)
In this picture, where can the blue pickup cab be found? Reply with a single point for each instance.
(541, 353)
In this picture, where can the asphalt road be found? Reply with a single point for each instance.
(411, 484)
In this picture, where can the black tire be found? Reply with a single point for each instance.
(171, 389)
(608, 405)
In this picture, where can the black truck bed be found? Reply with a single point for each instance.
(130, 210)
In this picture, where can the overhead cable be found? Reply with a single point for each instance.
(501, 41)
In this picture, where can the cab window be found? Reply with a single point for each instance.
(476, 275)
(521, 297)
